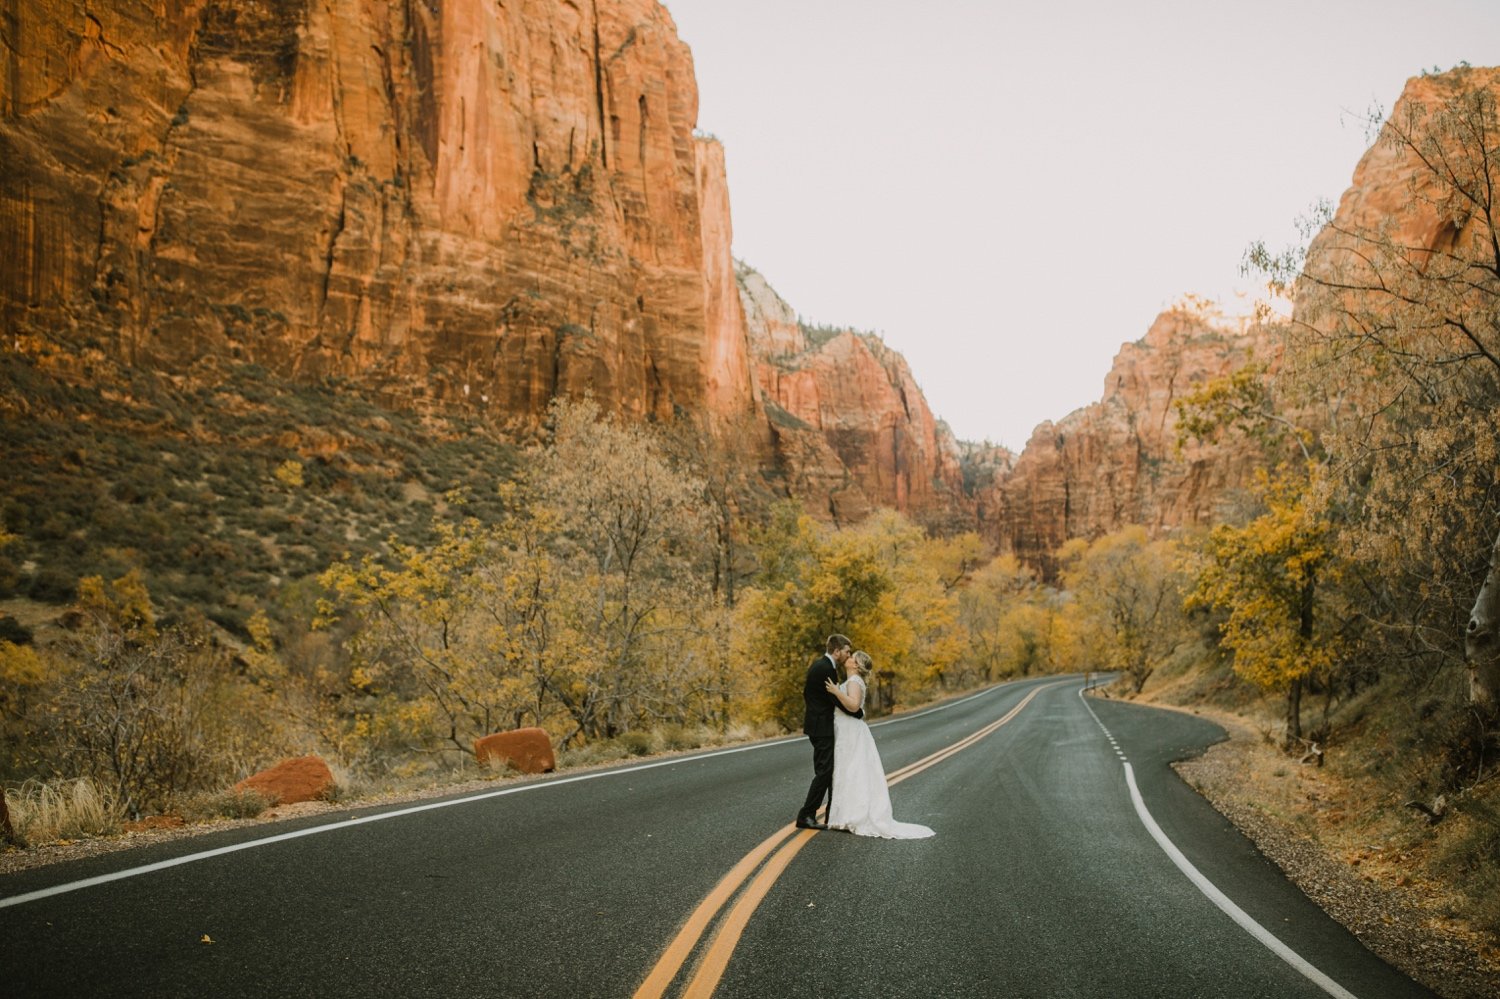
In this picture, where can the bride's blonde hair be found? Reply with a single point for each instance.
(862, 660)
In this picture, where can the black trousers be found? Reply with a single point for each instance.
(822, 782)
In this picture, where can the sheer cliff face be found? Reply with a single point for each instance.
(464, 202)
(487, 205)
(1114, 463)
(1418, 203)
(849, 424)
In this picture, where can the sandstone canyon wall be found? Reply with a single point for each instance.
(1396, 200)
(848, 421)
(485, 206)
(1115, 462)
(467, 203)
(460, 204)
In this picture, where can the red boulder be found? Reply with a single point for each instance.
(306, 778)
(529, 750)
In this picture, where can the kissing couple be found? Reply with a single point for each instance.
(846, 764)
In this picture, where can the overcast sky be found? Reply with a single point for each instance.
(1009, 191)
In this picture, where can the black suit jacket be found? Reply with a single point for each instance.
(818, 721)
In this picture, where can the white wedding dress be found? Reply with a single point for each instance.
(861, 800)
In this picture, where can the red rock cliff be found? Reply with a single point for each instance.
(1114, 463)
(483, 205)
(850, 426)
(460, 203)
(463, 202)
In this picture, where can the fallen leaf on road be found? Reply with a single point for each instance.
(206, 939)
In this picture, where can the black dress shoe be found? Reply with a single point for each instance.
(803, 822)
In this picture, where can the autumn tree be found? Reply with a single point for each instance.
(1265, 576)
(815, 581)
(426, 657)
(150, 711)
(1126, 595)
(582, 608)
(1011, 624)
(719, 459)
(1397, 324)
(632, 526)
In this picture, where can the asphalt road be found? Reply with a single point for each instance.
(1043, 880)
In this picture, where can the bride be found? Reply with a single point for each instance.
(861, 800)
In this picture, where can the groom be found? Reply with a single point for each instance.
(817, 725)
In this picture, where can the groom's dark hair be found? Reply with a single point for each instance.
(836, 642)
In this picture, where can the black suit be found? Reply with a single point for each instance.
(817, 725)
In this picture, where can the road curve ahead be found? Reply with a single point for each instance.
(1069, 861)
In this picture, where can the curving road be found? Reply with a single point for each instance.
(1045, 879)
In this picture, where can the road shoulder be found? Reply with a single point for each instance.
(1277, 804)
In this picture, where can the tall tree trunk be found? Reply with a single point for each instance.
(1305, 634)
(1294, 713)
(1481, 648)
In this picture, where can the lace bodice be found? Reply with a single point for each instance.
(856, 683)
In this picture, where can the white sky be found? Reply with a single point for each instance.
(1009, 191)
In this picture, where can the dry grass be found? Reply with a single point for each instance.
(227, 804)
(60, 811)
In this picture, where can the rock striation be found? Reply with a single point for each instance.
(465, 204)
(849, 423)
(1116, 462)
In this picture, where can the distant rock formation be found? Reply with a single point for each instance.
(848, 419)
(1115, 462)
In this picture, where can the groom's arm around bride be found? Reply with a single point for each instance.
(817, 725)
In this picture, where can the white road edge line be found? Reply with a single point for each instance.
(162, 865)
(1211, 891)
(1233, 911)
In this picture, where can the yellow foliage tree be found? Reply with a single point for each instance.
(1266, 575)
(585, 609)
(152, 711)
(815, 581)
(454, 639)
(1397, 322)
(885, 584)
(1126, 597)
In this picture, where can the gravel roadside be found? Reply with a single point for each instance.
(1272, 800)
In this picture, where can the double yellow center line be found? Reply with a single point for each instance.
(711, 968)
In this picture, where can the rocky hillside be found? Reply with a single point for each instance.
(848, 422)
